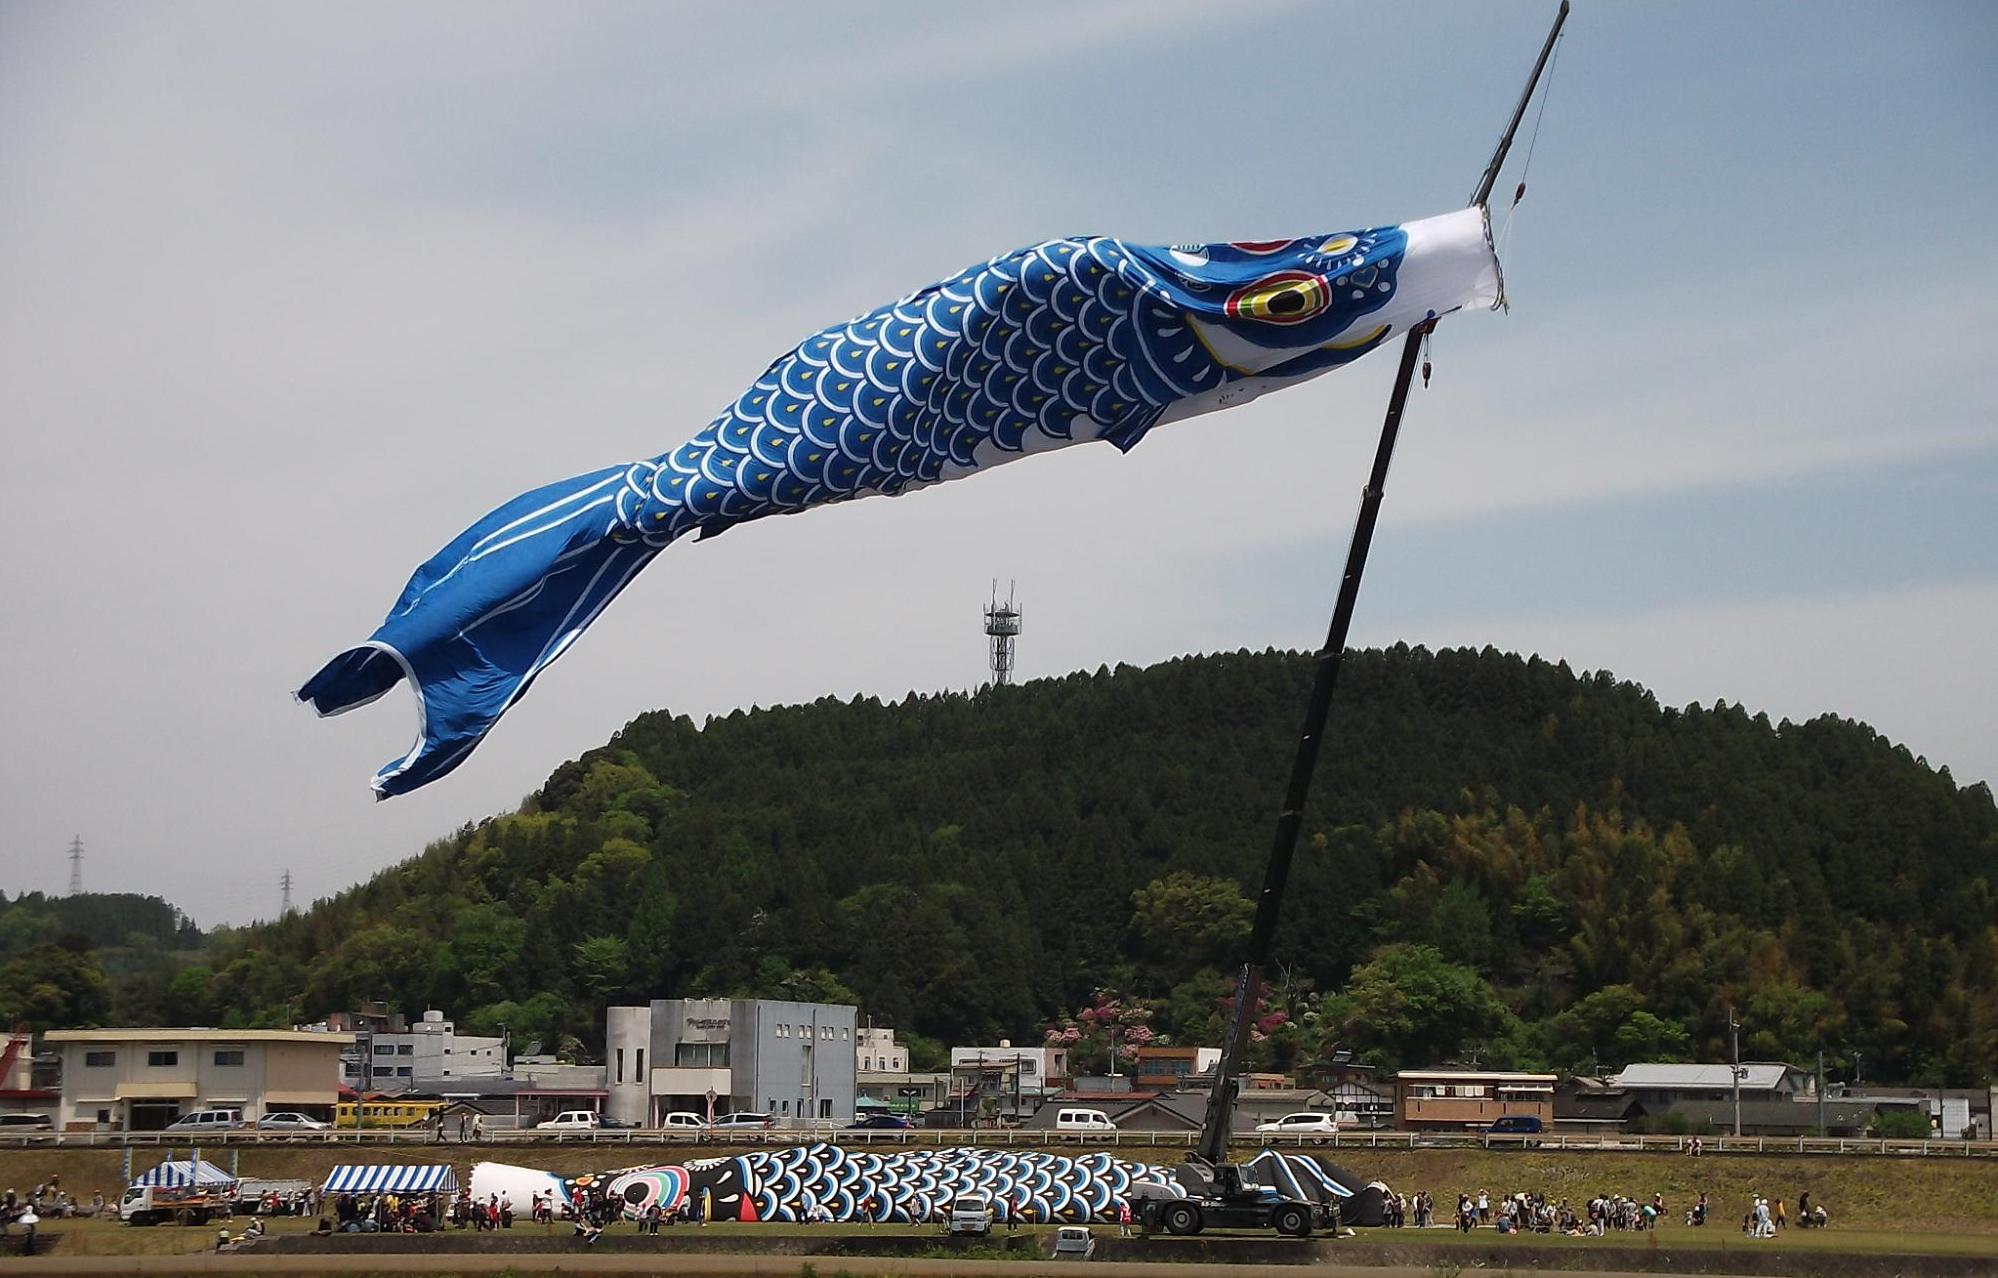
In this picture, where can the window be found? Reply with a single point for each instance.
(162, 1058)
(1026, 1066)
(620, 1066)
(825, 1107)
(638, 1065)
(701, 1055)
(785, 1108)
(228, 1056)
(381, 1070)
(100, 1060)
(405, 1049)
(402, 1071)
(783, 1031)
(845, 1034)
(384, 1049)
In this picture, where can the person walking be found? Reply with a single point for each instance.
(1124, 1218)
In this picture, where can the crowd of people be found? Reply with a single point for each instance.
(49, 1201)
(1603, 1215)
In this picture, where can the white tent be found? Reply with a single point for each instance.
(392, 1178)
(183, 1173)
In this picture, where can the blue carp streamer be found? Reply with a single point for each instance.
(1064, 342)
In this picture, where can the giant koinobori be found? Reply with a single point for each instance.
(799, 1183)
(1068, 341)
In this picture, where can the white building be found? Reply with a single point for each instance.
(876, 1052)
(142, 1079)
(430, 1051)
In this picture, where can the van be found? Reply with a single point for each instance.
(1516, 1125)
(1083, 1120)
(207, 1120)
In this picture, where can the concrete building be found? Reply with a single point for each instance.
(143, 1079)
(793, 1061)
(1466, 1099)
(420, 1054)
(876, 1052)
(1005, 1082)
(1167, 1069)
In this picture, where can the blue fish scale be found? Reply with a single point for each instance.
(1021, 347)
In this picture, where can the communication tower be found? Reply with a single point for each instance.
(284, 906)
(76, 866)
(1002, 627)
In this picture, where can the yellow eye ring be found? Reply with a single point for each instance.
(1287, 297)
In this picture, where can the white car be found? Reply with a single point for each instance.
(683, 1120)
(573, 1120)
(1312, 1123)
(288, 1121)
(742, 1123)
(207, 1120)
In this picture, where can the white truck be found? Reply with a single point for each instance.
(182, 1204)
(971, 1213)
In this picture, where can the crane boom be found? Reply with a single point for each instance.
(1219, 1124)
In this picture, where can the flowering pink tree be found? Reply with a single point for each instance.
(1111, 1021)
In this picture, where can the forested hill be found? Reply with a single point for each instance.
(1503, 860)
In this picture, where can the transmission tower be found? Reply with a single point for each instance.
(284, 906)
(1002, 627)
(76, 866)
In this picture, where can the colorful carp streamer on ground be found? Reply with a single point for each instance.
(1064, 342)
(820, 1181)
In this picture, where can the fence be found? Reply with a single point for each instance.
(1031, 1138)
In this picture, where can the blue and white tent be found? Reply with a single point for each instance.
(392, 1178)
(183, 1173)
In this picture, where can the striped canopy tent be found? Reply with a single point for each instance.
(392, 1178)
(182, 1173)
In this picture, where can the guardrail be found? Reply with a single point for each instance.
(1030, 1138)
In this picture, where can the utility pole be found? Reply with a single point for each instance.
(76, 866)
(1821, 1093)
(1734, 1051)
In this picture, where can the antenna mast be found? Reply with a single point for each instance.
(76, 866)
(1002, 627)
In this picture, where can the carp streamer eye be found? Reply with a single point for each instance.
(1288, 297)
(1261, 246)
(1339, 245)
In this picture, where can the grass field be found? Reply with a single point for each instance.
(1901, 1197)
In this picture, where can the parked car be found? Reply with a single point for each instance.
(873, 1122)
(571, 1120)
(1074, 1242)
(1516, 1125)
(742, 1122)
(288, 1121)
(683, 1120)
(25, 1124)
(208, 1120)
(1309, 1123)
(1083, 1120)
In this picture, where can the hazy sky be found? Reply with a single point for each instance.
(289, 295)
